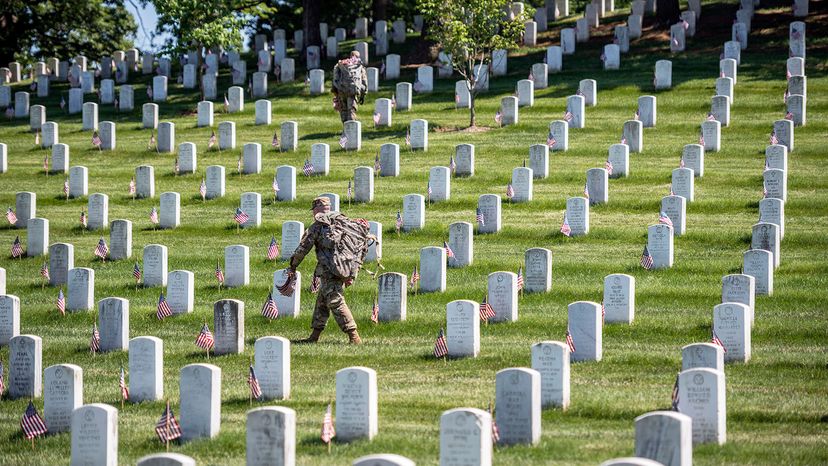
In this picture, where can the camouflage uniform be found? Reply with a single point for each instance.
(331, 298)
(346, 103)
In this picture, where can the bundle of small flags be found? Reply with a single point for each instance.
(269, 309)
(440, 346)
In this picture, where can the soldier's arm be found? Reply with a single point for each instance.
(305, 245)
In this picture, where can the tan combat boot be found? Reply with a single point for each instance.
(353, 337)
(313, 338)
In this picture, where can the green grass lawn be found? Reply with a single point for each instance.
(777, 406)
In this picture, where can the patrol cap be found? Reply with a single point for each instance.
(321, 201)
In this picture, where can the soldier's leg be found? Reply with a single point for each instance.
(335, 301)
(320, 313)
(352, 107)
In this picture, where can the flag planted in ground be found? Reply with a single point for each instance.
(440, 346)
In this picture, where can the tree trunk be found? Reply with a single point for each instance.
(667, 12)
(310, 21)
(472, 114)
(380, 8)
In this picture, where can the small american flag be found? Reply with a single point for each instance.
(417, 86)
(568, 116)
(764, 189)
(637, 114)
(32, 424)
(375, 312)
(61, 303)
(440, 346)
(328, 431)
(11, 216)
(130, 190)
(510, 191)
(399, 222)
(789, 116)
(176, 167)
(498, 118)
(153, 216)
(16, 249)
(83, 219)
(675, 395)
(603, 313)
(603, 57)
(486, 310)
(350, 192)
(95, 341)
(787, 74)
(66, 187)
(226, 104)
(675, 41)
(520, 279)
(212, 141)
(569, 341)
(101, 250)
(163, 311)
(663, 218)
(623, 139)
(219, 274)
(269, 308)
(2, 381)
(96, 140)
(579, 92)
(428, 190)
(608, 167)
(452, 164)
(202, 189)
(646, 259)
(377, 165)
(449, 251)
(272, 249)
(415, 277)
(149, 92)
(44, 271)
(253, 383)
(37, 143)
(343, 140)
(307, 169)
(586, 190)
(205, 338)
(315, 284)
(167, 428)
(495, 429)
(240, 217)
(550, 140)
(685, 24)
(711, 116)
(773, 138)
(716, 341)
(275, 141)
(393, 101)
(136, 273)
(784, 98)
(123, 385)
(456, 99)
(681, 162)
(407, 137)
(565, 228)
(480, 218)
(62, 103)
(275, 185)
(701, 138)
(239, 164)
(376, 118)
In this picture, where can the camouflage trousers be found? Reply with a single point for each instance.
(331, 299)
(348, 108)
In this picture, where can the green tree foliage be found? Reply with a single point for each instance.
(35, 30)
(469, 30)
(202, 23)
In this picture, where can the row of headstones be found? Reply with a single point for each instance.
(518, 420)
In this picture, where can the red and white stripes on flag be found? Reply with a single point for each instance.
(130, 190)
(44, 271)
(510, 191)
(61, 302)
(31, 423)
(219, 274)
(96, 139)
(520, 279)
(663, 218)
(399, 222)
(101, 250)
(205, 338)
(123, 385)
(11, 216)
(449, 251)
(2, 380)
(95, 341)
(328, 431)
(273, 249)
(163, 311)
(569, 341)
(167, 428)
(269, 309)
(307, 168)
(240, 217)
(495, 429)
(440, 346)
(646, 259)
(253, 383)
(480, 218)
(486, 310)
(17, 248)
(716, 341)
(565, 228)
(608, 167)
(153, 216)
(202, 189)
(550, 140)
(375, 312)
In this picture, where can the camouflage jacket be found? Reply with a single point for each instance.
(315, 236)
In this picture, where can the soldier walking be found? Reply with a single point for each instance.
(350, 83)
